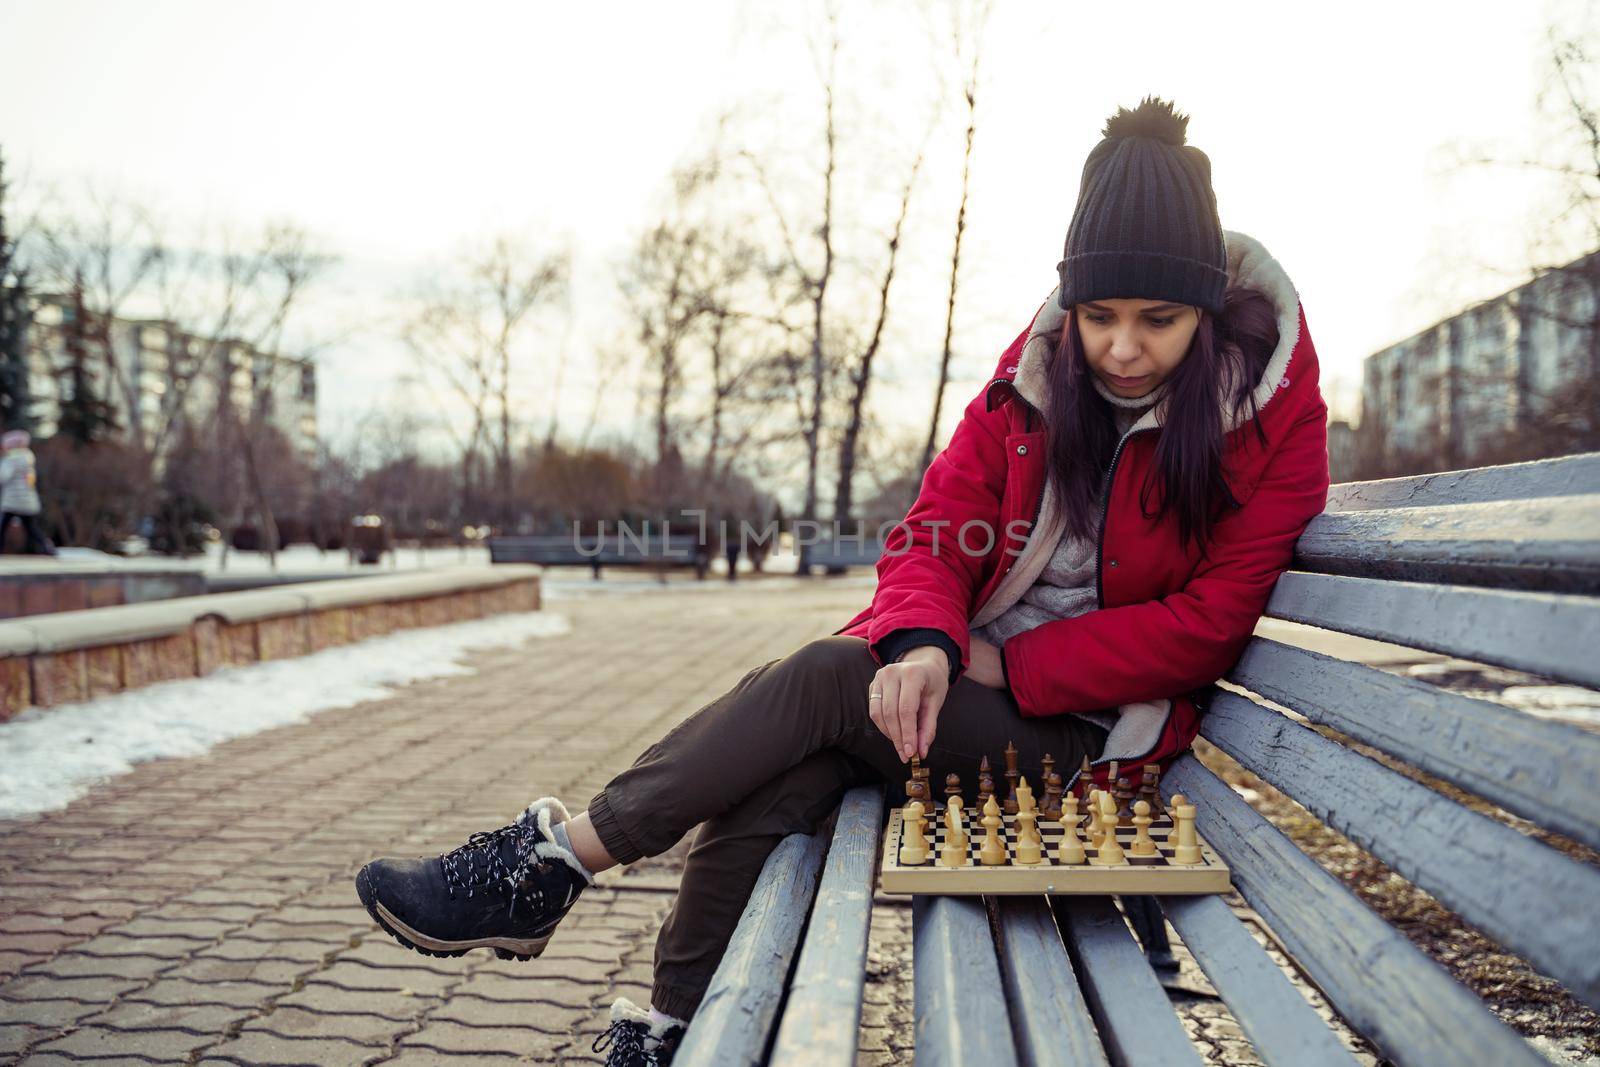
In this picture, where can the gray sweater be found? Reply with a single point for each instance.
(1065, 588)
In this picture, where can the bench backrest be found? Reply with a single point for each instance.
(1500, 566)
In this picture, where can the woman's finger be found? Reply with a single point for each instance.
(875, 702)
(928, 721)
(910, 696)
(889, 719)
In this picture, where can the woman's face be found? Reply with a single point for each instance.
(1135, 345)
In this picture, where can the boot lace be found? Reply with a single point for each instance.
(630, 1043)
(478, 864)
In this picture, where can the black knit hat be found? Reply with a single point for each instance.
(1146, 223)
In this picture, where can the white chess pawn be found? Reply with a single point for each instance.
(913, 846)
(1187, 852)
(1070, 852)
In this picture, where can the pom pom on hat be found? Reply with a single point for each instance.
(1153, 118)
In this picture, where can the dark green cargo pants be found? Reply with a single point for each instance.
(773, 756)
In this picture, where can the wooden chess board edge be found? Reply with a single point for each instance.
(1024, 880)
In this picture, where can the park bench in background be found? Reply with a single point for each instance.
(656, 553)
(1499, 565)
(836, 553)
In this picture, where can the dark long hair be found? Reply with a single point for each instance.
(1224, 362)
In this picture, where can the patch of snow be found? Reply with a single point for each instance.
(51, 756)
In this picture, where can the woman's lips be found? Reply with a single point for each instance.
(1128, 381)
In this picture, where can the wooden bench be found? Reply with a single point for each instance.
(1499, 566)
(842, 552)
(656, 553)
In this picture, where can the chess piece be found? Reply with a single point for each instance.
(985, 782)
(1110, 852)
(1097, 828)
(915, 789)
(1143, 843)
(1029, 843)
(993, 853)
(952, 786)
(1085, 782)
(1123, 791)
(1149, 790)
(1012, 774)
(1070, 852)
(913, 845)
(954, 852)
(1052, 797)
(1187, 852)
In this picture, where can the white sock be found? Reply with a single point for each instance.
(660, 1020)
(559, 832)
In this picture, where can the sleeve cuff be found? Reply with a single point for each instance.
(898, 642)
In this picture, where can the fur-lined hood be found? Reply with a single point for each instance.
(1250, 266)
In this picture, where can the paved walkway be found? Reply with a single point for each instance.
(202, 910)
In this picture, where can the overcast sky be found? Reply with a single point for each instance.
(399, 132)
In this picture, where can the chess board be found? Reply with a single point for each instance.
(1139, 874)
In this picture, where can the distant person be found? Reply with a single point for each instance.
(1091, 550)
(19, 492)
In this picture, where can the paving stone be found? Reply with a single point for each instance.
(357, 976)
(140, 1015)
(475, 1040)
(94, 1041)
(361, 1029)
(166, 990)
(49, 987)
(335, 1000)
(261, 1047)
(44, 1013)
(139, 968)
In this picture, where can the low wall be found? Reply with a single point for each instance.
(41, 585)
(76, 655)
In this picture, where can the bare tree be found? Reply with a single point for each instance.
(968, 23)
(860, 374)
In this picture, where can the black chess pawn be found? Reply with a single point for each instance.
(1150, 792)
(1124, 794)
(952, 785)
(1052, 796)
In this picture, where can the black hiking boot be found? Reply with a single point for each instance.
(504, 889)
(633, 1042)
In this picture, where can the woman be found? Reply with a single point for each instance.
(1095, 544)
(19, 492)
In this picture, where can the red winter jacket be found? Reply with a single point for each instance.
(1169, 623)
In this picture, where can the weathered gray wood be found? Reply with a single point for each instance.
(1135, 1017)
(735, 1018)
(1515, 889)
(1379, 982)
(1550, 544)
(1277, 1019)
(1049, 1017)
(1566, 476)
(823, 1014)
(961, 1009)
(1546, 634)
(1547, 772)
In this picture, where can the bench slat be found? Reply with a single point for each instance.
(1542, 633)
(1136, 1019)
(1545, 771)
(1506, 482)
(1050, 1018)
(823, 1014)
(1517, 890)
(1549, 543)
(1381, 983)
(1279, 1022)
(1511, 481)
(735, 1018)
(962, 1016)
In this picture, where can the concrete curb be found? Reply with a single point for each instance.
(75, 655)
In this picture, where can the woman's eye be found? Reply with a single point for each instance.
(1159, 323)
(1099, 320)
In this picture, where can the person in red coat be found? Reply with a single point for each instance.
(1090, 551)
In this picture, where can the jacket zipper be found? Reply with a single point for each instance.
(1105, 508)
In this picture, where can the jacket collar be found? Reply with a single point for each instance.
(1250, 266)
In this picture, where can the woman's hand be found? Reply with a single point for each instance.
(983, 664)
(904, 699)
